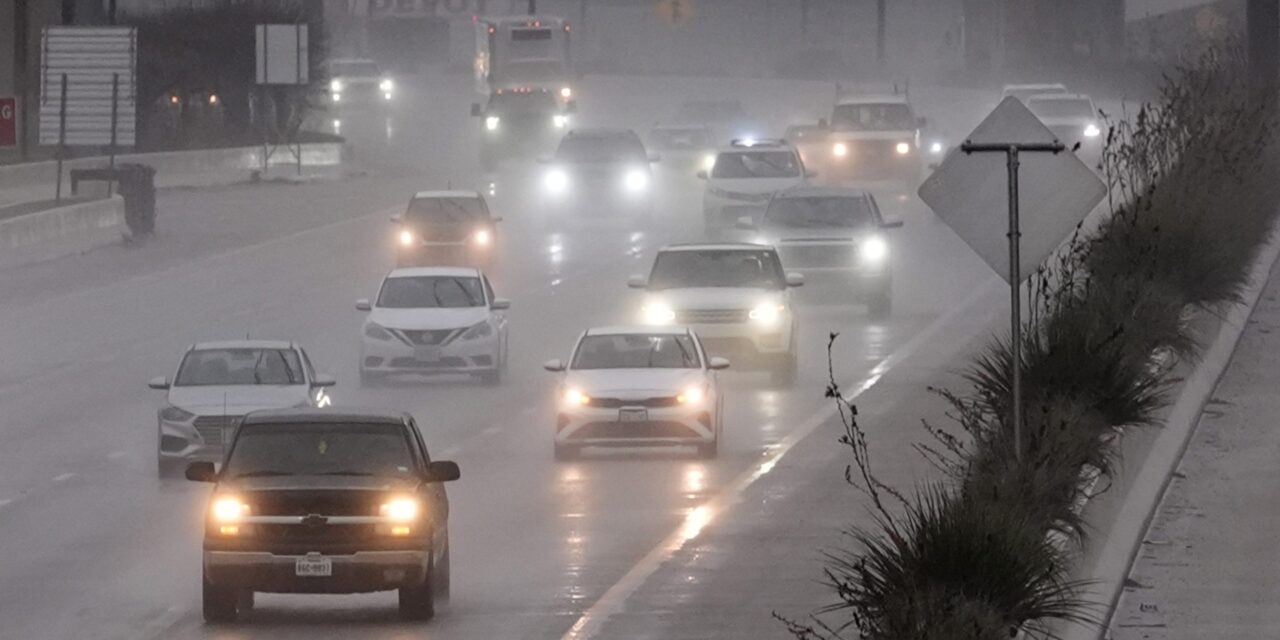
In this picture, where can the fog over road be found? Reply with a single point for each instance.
(95, 546)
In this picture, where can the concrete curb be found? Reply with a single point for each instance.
(1122, 543)
(54, 233)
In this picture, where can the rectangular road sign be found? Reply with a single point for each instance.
(970, 192)
(8, 122)
(282, 54)
(89, 58)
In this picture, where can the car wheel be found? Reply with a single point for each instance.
(881, 306)
(218, 603)
(419, 603)
(441, 580)
(566, 452)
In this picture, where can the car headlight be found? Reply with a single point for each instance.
(560, 121)
(491, 123)
(337, 97)
(575, 397)
(658, 313)
(1091, 130)
(335, 86)
(874, 250)
(556, 181)
(478, 330)
(174, 414)
(635, 180)
(566, 92)
(482, 237)
(386, 85)
(402, 510)
(691, 396)
(228, 509)
(709, 162)
(840, 150)
(935, 148)
(377, 332)
(903, 148)
(767, 314)
(407, 238)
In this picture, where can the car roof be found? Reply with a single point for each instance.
(327, 415)
(244, 344)
(423, 195)
(600, 132)
(714, 246)
(874, 98)
(455, 272)
(638, 329)
(807, 191)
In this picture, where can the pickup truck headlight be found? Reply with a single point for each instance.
(175, 414)
(377, 332)
(228, 509)
(767, 314)
(874, 250)
(400, 510)
(478, 330)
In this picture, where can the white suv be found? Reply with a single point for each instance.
(744, 176)
(434, 320)
(735, 296)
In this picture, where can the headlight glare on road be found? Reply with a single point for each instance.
(175, 414)
(402, 509)
(691, 396)
(903, 148)
(874, 250)
(491, 123)
(377, 332)
(478, 330)
(840, 150)
(228, 509)
(636, 180)
(407, 238)
(386, 85)
(482, 237)
(560, 121)
(575, 397)
(556, 181)
(767, 314)
(935, 148)
(658, 313)
(1091, 130)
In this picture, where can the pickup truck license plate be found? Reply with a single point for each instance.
(633, 415)
(427, 354)
(313, 567)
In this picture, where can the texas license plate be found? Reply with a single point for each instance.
(633, 415)
(427, 354)
(313, 567)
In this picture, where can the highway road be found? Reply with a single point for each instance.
(94, 545)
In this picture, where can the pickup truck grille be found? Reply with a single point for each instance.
(615, 403)
(711, 316)
(319, 534)
(816, 256)
(303, 503)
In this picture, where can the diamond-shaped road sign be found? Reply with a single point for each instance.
(970, 192)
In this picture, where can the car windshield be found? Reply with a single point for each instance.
(212, 367)
(756, 164)
(431, 292)
(820, 213)
(445, 210)
(751, 268)
(302, 449)
(354, 69)
(600, 149)
(530, 72)
(510, 103)
(1074, 108)
(872, 117)
(680, 139)
(637, 351)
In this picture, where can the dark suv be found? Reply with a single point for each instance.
(324, 501)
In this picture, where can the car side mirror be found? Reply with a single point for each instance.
(891, 224)
(397, 219)
(324, 381)
(702, 174)
(795, 279)
(500, 304)
(553, 365)
(363, 305)
(442, 471)
(475, 110)
(202, 472)
(637, 282)
(745, 223)
(159, 383)
(718, 364)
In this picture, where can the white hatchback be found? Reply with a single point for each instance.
(434, 320)
(744, 176)
(638, 386)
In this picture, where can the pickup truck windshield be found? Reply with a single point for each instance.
(748, 268)
(302, 449)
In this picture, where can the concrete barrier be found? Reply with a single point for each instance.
(53, 233)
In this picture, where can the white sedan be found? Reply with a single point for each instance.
(434, 320)
(638, 386)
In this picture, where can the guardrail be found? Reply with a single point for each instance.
(54, 233)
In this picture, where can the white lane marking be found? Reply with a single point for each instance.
(63, 477)
(609, 604)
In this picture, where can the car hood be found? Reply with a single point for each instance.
(715, 297)
(633, 384)
(238, 399)
(320, 483)
(755, 185)
(428, 319)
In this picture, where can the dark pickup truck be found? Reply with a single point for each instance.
(326, 501)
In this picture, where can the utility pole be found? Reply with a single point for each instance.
(880, 29)
(1262, 27)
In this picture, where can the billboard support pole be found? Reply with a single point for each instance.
(62, 136)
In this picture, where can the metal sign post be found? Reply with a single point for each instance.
(111, 149)
(62, 137)
(1011, 151)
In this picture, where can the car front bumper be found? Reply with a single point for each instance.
(467, 254)
(469, 356)
(665, 426)
(359, 572)
(745, 339)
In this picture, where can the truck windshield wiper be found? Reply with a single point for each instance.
(264, 473)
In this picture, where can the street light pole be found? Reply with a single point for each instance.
(1012, 151)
